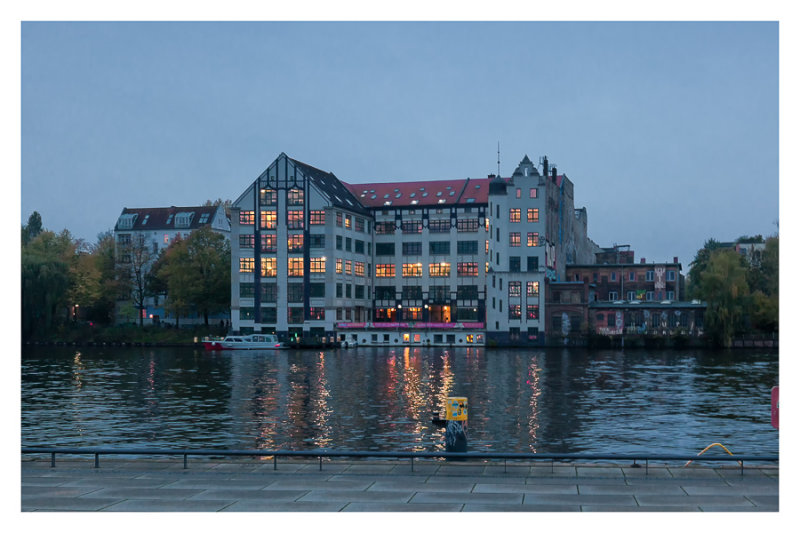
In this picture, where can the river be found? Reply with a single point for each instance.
(553, 400)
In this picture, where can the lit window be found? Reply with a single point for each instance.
(295, 219)
(514, 214)
(339, 219)
(533, 214)
(269, 243)
(295, 267)
(295, 197)
(247, 264)
(412, 226)
(269, 267)
(268, 197)
(317, 265)
(247, 241)
(348, 222)
(245, 218)
(359, 224)
(514, 311)
(338, 266)
(359, 268)
(412, 270)
(533, 288)
(533, 193)
(533, 239)
(296, 242)
(439, 270)
(269, 219)
(519, 193)
(316, 218)
(348, 267)
(466, 269)
(467, 225)
(384, 270)
(514, 239)
(533, 312)
(514, 289)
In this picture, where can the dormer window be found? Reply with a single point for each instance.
(183, 220)
(203, 218)
(169, 219)
(127, 221)
(144, 220)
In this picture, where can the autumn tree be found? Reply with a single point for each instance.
(134, 259)
(723, 285)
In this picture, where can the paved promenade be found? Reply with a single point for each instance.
(349, 486)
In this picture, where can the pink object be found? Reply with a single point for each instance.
(774, 417)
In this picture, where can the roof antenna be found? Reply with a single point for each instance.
(498, 159)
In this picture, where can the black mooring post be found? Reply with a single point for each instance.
(412, 463)
(274, 462)
(184, 462)
(53, 460)
(97, 460)
(320, 463)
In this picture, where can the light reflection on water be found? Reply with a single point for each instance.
(383, 399)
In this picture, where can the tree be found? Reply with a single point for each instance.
(134, 260)
(763, 278)
(723, 284)
(32, 228)
(699, 265)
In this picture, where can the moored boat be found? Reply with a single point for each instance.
(257, 341)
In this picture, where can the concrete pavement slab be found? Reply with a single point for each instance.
(44, 492)
(168, 506)
(514, 488)
(253, 506)
(619, 500)
(455, 497)
(630, 489)
(359, 483)
(420, 486)
(665, 499)
(66, 504)
(356, 496)
(145, 494)
(402, 507)
(249, 494)
(502, 508)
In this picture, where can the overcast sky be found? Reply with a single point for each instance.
(669, 131)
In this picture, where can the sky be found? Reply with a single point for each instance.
(668, 130)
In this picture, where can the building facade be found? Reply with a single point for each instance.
(141, 234)
(444, 262)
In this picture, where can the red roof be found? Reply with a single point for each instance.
(423, 193)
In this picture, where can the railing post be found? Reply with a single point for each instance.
(412, 463)
(320, 463)
(97, 460)
(53, 460)
(184, 462)
(274, 462)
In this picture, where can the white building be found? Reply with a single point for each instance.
(413, 263)
(147, 231)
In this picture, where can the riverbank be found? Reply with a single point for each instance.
(365, 486)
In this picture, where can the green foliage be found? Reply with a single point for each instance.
(32, 228)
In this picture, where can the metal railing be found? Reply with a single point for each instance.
(320, 454)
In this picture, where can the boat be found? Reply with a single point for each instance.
(257, 341)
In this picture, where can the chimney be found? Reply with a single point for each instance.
(643, 261)
(554, 174)
(545, 166)
(675, 259)
(491, 176)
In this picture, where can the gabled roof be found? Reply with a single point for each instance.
(421, 193)
(332, 187)
(163, 218)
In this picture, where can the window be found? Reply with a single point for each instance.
(316, 290)
(296, 242)
(269, 267)
(533, 238)
(247, 313)
(268, 197)
(348, 267)
(338, 242)
(514, 289)
(269, 293)
(339, 219)
(519, 192)
(246, 290)
(439, 226)
(295, 267)
(317, 265)
(348, 293)
(532, 312)
(412, 292)
(294, 292)
(247, 241)
(412, 248)
(269, 220)
(467, 292)
(468, 247)
(359, 292)
(316, 218)
(649, 275)
(514, 239)
(269, 243)
(412, 270)
(533, 214)
(295, 197)
(631, 276)
(316, 313)
(533, 288)
(348, 244)
(411, 226)
(339, 266)
(385, 293)
(648, 296)
(440, 293)
(383, 228)
(384, 270)
(514, 264)
(183, 220)
(245, 217)
(339, 292)
(295, 315)
(295, 219)
(360, 224)
(514, 312)
(247, 264)
(439, 270)
(316, 241)
(670, 295)
(468, 225)
(439, 248)
(670, 275)
(533, 193)
(358, 267)
(613, 276)
(612, 295)
(359, 246)
(631, 295)
(467, 269)
(514, 214)
(348, 221)
(384, 248)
